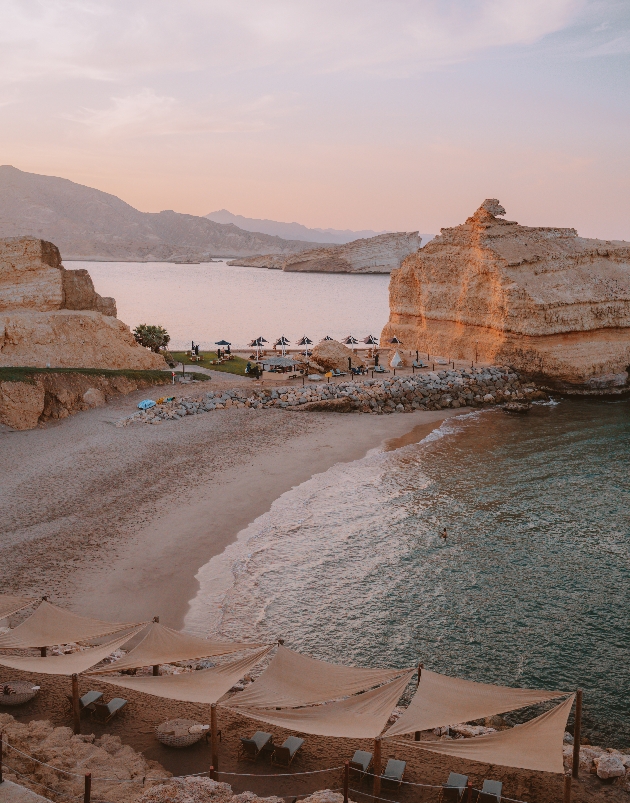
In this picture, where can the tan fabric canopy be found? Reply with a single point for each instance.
(536, 745)
(50, 625)
(71, 664)
(292, 680)
(360, 717)
(442, 700)
(161, 645)
(10, 604)
(202, 686)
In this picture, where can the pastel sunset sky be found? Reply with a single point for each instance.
(383, 114)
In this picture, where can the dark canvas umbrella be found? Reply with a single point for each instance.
(283, 343)
(305, 341)
(328, 337)
(370, 340)
(395, 340)
(350, 341)
(257, 343)
(223, 343)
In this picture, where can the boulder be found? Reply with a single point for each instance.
(21, 404)
(553, 305)
(53, 317)
(609, 765)
(331, 354)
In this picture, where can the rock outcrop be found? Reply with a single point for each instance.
(554, 305)
(53, 317)
(380, 254)
(329, 354)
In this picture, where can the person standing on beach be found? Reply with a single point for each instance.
(444, 535)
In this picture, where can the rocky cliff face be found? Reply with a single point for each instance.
(379, 254)
(50, 316)
(554, 305)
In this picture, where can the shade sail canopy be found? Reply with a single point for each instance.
(292, 680)
(536, 745)
(161, 645)
(360, 717)
(72, 664)
(203, 686)
(50, 625)
(10, 604)
(442, 700)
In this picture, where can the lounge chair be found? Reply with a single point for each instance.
(378, 369)
(88, 700)
(285, 754)
(394, 772)
(360, 764)
(103, 712)
(252, 748)
(453, 790)
(419, 364)
(490, 792)
(337, 372)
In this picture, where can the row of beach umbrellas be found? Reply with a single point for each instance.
(259, 342)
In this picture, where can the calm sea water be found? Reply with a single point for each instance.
(211, 302)
(531, 587)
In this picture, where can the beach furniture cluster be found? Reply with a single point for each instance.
(434, 390)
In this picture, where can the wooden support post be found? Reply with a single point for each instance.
(469, 788)
(214, 741)
(88, 787)
(42, 651)
(76, 708)
(577, 732)
(346, 780)
(567, 789)
(156, 668)
(212, 773)
(376, 790)
(1, 750)
(416, 736)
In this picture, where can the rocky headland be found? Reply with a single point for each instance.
(553, 305)
(52, 317)
(380, 254)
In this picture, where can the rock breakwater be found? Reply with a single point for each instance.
(474, 387)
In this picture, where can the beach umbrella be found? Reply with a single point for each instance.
(223, 343)
(257, 343)
(283, 343)
(328, 337)
(395, 340)
(305, 341)
(370, 340)
(350, 341)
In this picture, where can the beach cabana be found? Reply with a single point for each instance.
(10, 604)
(50, 625)
(441, 700)
(292, 679)
(162, 645)
(534, 745)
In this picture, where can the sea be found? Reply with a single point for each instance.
(531, 586)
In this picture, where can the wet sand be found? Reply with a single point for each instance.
(115, 522)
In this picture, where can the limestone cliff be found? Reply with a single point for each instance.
(50, 316)
(379, 254)
(554, 305)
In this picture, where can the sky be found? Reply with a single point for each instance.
(381, 114)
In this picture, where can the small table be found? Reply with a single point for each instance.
(180, 732)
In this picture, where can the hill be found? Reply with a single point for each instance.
(85, 223)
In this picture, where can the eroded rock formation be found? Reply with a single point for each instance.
(330, 354)
(379, 254)
(554, 305)
(50, 316)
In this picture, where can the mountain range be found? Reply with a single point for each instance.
(85, 223)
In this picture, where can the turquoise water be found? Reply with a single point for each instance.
(530, 588)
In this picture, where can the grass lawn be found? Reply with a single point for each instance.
(28, 374)
(234, 366)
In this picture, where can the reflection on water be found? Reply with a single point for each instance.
(530, 588)
(211, 302)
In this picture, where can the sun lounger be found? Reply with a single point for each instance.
(88, 700)
(394, 772)
(453, 790)
(419, 364)
(337, 372)
(103, 712)
(252, 748)
(378, 369)
(490, 792)
(285, 754)
(361, 763)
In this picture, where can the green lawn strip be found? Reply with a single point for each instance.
(236, 365)
(28, 374)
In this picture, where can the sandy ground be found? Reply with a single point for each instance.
(115, 522)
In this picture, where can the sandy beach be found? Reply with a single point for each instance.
(115, 522)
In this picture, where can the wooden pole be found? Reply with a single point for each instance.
(470, 791)
(577, 728)
(376, 790)
(76, 709)
(1, 750)
(42, 651)
(567, 789)
(346, 780)
(88, 787)
(212, 773)
(416, 736)
(156, 668)
(214, 742)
